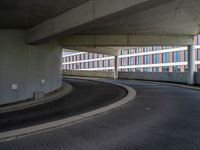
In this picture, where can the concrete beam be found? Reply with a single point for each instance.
(75, 19)
(99, 50)
(125, 40)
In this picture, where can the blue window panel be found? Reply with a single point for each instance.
(165, 69)
(176, 56)
(155, 69)
(146, 49)
(130, 51)
(146, 59)
(198, 54)
(165, 57)
(130, 60)
(155, 58)
(137, 60)
(156, 48)
(198, 39)
(123, 61)
(185, 55)
(137, 50)
(146, 69)
(137, 69)
(123, 52)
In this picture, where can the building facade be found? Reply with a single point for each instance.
(142, 59)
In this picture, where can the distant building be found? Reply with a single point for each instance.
(144, 59)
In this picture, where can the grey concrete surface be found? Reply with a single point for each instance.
(124, 17)
(52, 125)
(162, 117)
(177, 77)
(98, 74)
(25, 69)
(25, 14)
(86, 96)
(64, 90)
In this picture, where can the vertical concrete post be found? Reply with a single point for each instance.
(116, 68)
(191, 65)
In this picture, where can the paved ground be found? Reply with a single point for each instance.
(161, 118)
(86, 96)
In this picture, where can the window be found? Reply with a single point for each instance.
(165, 57)
(185, 68)
(123, 52)
(165, 47)
(129, 70)
(176, 68)
(82, 65)
(86, 65)
(198, 54)
(95, 64)
(156, 48)
(110, 63)
(100, 63)
(130, 51)
(130, 60)
(100, 55)
(90, 55)
(155, 58)
(176, 56)
(146, 59)
(137, 69)
(91, 64)
(155, 69)
(185, 55)
(146, 69)
(137, 50)
(137, 60)
(198, 68)
(146, 49)
(123, 61)
(165, 69)
(198, 39)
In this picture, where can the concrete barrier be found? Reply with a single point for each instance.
(178, 77)
(98, 74)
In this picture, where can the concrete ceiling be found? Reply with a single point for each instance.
(154, 17)
(23, 14)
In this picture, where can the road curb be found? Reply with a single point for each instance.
(66, 89)
(41, 128)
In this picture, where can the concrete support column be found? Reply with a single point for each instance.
(191, 65)
(116, 68)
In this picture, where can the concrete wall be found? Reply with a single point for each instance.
(179, 77)
(101, 74)
(197, 78)
(27, 66)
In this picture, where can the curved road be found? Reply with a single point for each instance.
(162, 117)
(86, 96)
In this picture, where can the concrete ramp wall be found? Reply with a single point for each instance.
(179, 77)
(98, 74)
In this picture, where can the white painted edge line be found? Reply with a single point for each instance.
(67, 89)
(41, 128)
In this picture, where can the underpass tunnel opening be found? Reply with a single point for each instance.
(92, 63)
(28, 71)
(169, 63)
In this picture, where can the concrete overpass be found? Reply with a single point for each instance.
(32, 34)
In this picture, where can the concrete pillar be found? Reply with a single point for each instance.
(191, 65)
(116, 68)
(27, 71)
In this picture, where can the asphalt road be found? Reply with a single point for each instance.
(86, 96)
(162, 117)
